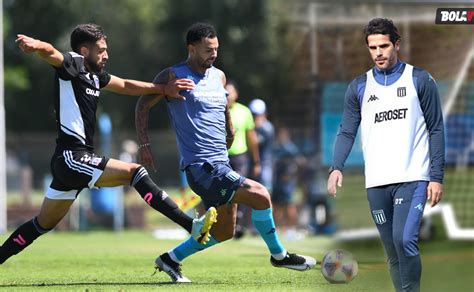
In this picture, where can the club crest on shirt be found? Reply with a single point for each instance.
(401, 91)
(96, 81)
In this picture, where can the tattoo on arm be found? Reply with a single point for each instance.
(246, 185)
(164, 76)
(229, 127)
(146, 102)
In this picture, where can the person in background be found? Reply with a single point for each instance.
(245, 144)
(286, 155)
(265, 139)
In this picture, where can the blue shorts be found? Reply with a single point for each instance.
(216, 183)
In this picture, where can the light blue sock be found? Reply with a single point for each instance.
(263, 222)
(190, 247)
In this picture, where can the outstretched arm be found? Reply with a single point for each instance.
(45, 50)
(142, 110)
(170, 88)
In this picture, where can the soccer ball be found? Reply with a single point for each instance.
(339, 266)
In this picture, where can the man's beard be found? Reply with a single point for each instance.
(205, 64)
(95, 66)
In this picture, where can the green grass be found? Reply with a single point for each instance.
(108, 261)
(352, 207)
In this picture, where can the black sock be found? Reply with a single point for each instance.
(158, 199)
(20, 239)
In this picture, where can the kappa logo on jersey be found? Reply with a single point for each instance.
(372, 98)
(92, 92)
(454, 16)
(401, 91)
(379, 216)
(396, 114)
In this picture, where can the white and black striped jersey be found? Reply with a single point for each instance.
(75, 103)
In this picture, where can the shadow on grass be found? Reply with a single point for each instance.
(87, 284)
(18, 285)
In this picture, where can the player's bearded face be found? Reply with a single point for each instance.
(383, 52)
(206, 52)
(97, 56)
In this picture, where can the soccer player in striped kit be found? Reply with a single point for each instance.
(74, 165)
(398, 109)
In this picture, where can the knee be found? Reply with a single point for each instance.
(410, 247)
(406, 245)
(133, 167)
(263, 197)
(397, 241)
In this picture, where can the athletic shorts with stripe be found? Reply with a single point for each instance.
(73, 171)
(216, 183)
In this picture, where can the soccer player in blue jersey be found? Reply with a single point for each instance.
(80, 76)
(204, 131)
(398, 109)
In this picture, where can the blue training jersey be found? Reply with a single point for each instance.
(199, 121)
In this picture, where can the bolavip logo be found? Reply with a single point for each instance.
(454, 16)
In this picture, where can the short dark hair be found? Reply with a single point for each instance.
(86, 33)
(382, 26)
(198, 31)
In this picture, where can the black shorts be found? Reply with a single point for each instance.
(73, 171)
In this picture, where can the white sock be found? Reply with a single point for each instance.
(173, 257)
(280, 256)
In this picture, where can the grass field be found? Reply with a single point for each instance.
(352, 207)
(109, 261)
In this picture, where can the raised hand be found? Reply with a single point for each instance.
(173, 87)
(28, 44)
